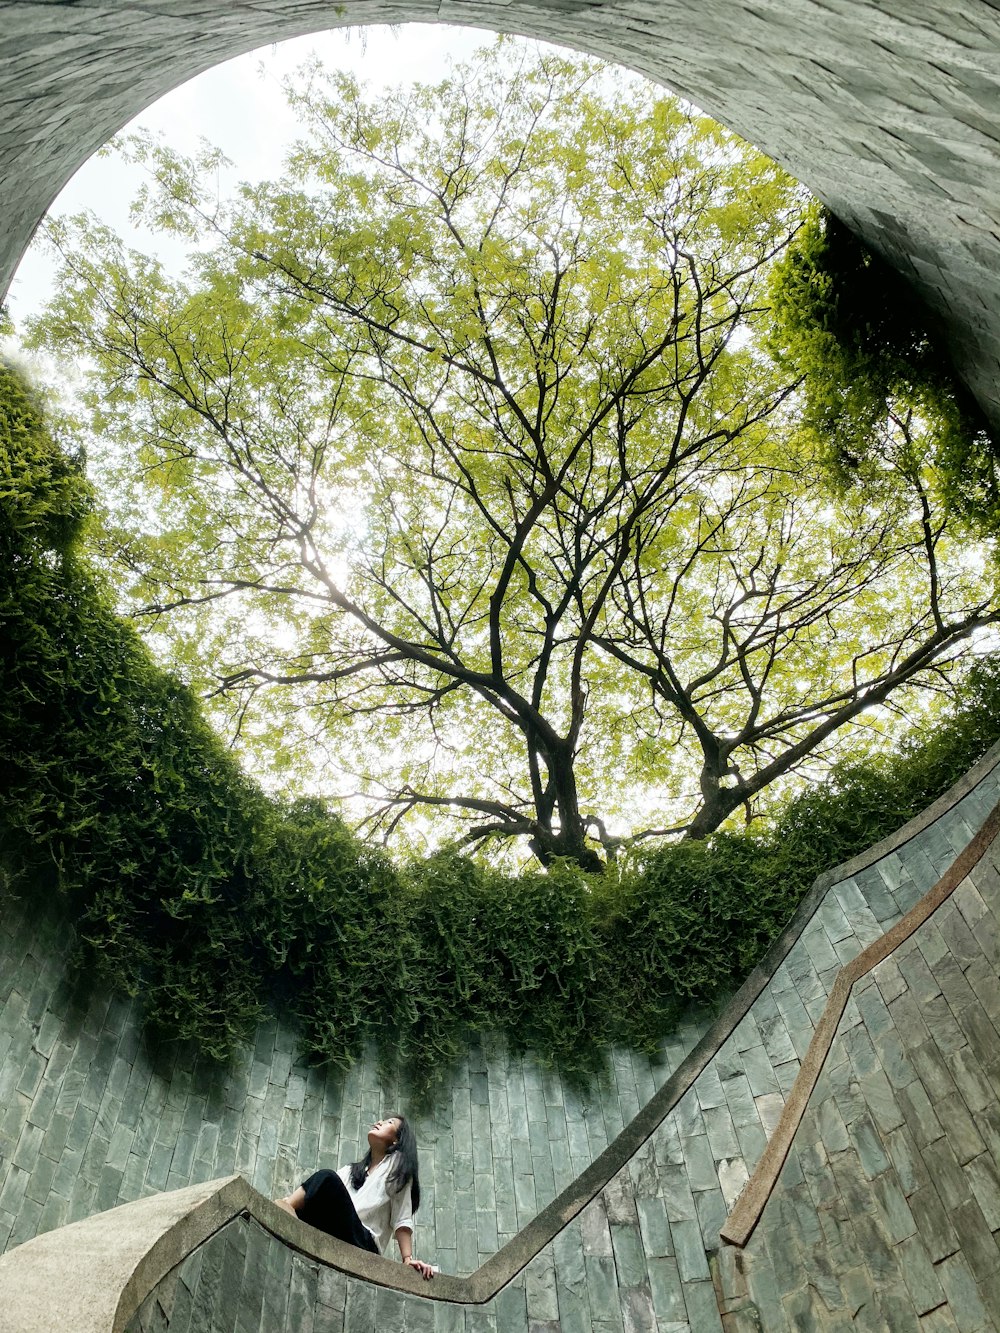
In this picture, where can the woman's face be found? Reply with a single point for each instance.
(384, 1131)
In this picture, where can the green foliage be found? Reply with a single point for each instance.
(111, 779)
(210, 900)
(146, 823)
(868, 348)
(43, 494)
(476, 391)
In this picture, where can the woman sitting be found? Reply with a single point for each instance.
(369, 1201)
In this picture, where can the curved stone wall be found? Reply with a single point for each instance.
(887, 1211)
(296, 1293)
(889, 112)
(907, 1101)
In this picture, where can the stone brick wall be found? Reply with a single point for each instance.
(885, 1216)
(243, 1274)
(887, 1212)
(92, 1114)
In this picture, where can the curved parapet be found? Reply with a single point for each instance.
(745, 1216)
(93, 1276)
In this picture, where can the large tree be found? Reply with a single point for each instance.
(462, 440)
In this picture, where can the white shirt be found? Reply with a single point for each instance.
(379, 1209)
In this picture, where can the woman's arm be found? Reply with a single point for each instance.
(404, 1239)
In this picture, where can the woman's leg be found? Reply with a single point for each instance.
(329, 1207)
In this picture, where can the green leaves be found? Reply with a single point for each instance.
(44, 496)
(870, 352)
(463, 473)
(211, 901)
(398, 425)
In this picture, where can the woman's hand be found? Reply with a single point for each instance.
(425, 1270)
(292, 1202)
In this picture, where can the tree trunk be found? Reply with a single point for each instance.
(570, 839)
(715, 809)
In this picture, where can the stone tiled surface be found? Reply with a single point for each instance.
(92, 1116)
(887, 1211)
(877, 1205)
(243, 1279)
(683, 1183)
(889, 111)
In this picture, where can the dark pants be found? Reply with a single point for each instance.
(330, 1208)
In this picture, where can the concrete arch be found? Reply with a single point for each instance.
(890, 112)
(895, 122)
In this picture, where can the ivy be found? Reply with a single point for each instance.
(866, 345)
(212, 901)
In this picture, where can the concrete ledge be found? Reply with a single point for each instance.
(93, 1275)
(85, 1277)
(352, 1261)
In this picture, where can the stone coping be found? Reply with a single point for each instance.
(90, 1276)
(94, 1274)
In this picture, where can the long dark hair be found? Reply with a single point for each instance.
(404, 1170)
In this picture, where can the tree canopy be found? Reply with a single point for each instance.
(191, 888)
(871, 353)
(461, 452)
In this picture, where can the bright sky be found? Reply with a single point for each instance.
(239, 106)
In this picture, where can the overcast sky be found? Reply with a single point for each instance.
(239, 106)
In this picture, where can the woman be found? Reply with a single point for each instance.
(369, 1201)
